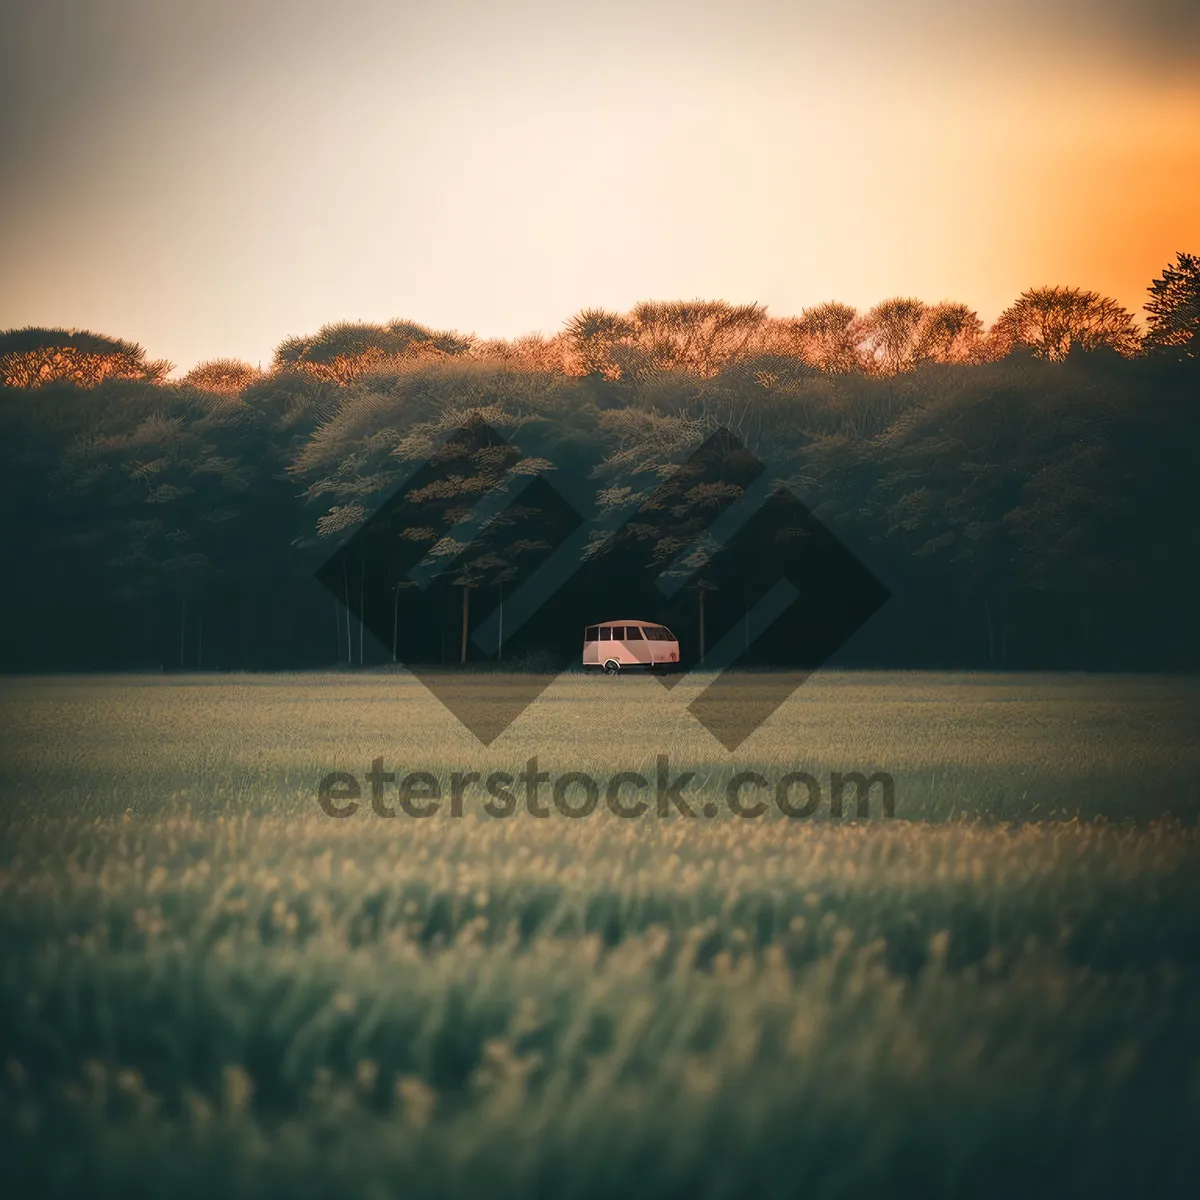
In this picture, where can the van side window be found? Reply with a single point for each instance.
(589, 634)
(606, 633)
(633, 633)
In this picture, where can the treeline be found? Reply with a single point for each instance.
(1024, 491)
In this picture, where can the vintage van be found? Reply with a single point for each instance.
(619, 646)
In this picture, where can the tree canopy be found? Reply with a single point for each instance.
(1053, 321)
(1024, 491)
(1174, 308)
(33, 357)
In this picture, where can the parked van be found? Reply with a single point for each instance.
(619, 646)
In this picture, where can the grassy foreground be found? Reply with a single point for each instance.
(206, 985)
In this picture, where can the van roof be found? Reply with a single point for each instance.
(644, 624)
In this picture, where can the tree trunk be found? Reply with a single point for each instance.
(466, 605)
(182, 631)
(200, 636)
(349, 636)
(395, 618)
(362, 599)
(702, 624)
(500, 638)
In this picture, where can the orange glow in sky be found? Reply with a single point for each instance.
(208, 183)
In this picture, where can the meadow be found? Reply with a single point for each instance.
(208, 985)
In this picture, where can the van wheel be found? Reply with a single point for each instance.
(612, 667)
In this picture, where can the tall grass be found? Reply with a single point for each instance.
(210, 993)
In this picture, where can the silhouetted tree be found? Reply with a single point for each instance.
(828, 337)
(699, 337)
(345, 351)
(225, 376)
(902, 334)
(532, 352)
(1174, 308)
(1052, 321)
(33, 357)
(949, 333)
(890, 333)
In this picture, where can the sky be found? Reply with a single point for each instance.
(208, 179)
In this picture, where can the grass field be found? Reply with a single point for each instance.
(209, 986)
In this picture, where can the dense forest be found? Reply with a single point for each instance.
(1024, 492)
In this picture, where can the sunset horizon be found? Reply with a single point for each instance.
(497, 174)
